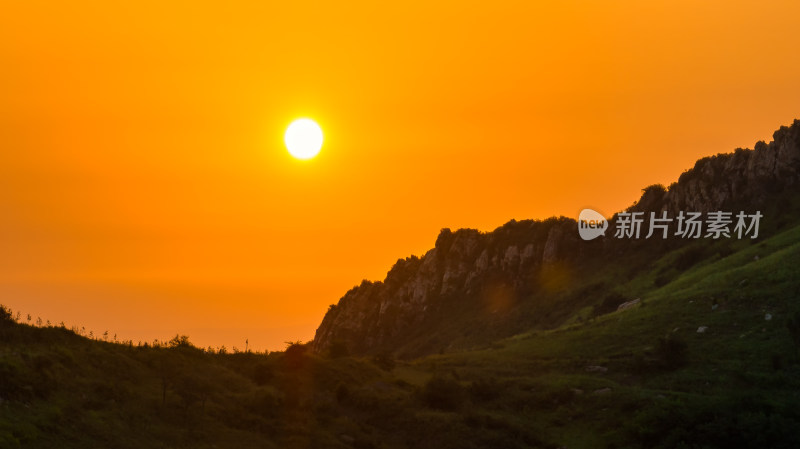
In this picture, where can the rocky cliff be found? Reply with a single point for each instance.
(742, 177)
(469, 272)
(375, 313)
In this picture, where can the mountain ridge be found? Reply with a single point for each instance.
(489, 273)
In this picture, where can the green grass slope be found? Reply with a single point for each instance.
(706, 360)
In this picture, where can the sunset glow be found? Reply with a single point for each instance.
(146, 188)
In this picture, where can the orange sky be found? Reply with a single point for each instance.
(145, 189)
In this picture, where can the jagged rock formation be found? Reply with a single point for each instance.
(466, 267)
(744, 176)
(374, 313)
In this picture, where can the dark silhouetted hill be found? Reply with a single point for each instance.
(473, 287)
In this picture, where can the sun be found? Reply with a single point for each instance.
(303, 138)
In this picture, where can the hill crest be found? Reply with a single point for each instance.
(486, 274)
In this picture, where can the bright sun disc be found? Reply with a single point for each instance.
(303, 138)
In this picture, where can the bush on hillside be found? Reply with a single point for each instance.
(262, 373)
(295, 355)
(443, 393)
(180, 341)
(672, 352)
(609, 304)
(338, 349)
(485, 389)
(690, 257)
(384, 360)
(5, 315)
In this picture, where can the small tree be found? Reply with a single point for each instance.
(180, 341)
(191, 390)
(167, 373)
(5, 313)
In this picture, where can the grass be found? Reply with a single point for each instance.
(661, 382)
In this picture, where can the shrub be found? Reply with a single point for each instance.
(342, 393)
(338, 349)
(663, 279)
(609, 304)
(5, 315)
(262, 373)
(443, 393)
(295, 355)
(384, 360)
(485, 389)
(178, 341)
(672, 352)
(690, 257)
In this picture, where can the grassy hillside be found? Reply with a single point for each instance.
(644, 377)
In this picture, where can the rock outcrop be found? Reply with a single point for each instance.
(416, 293)
(374, 314)
(742, 177)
